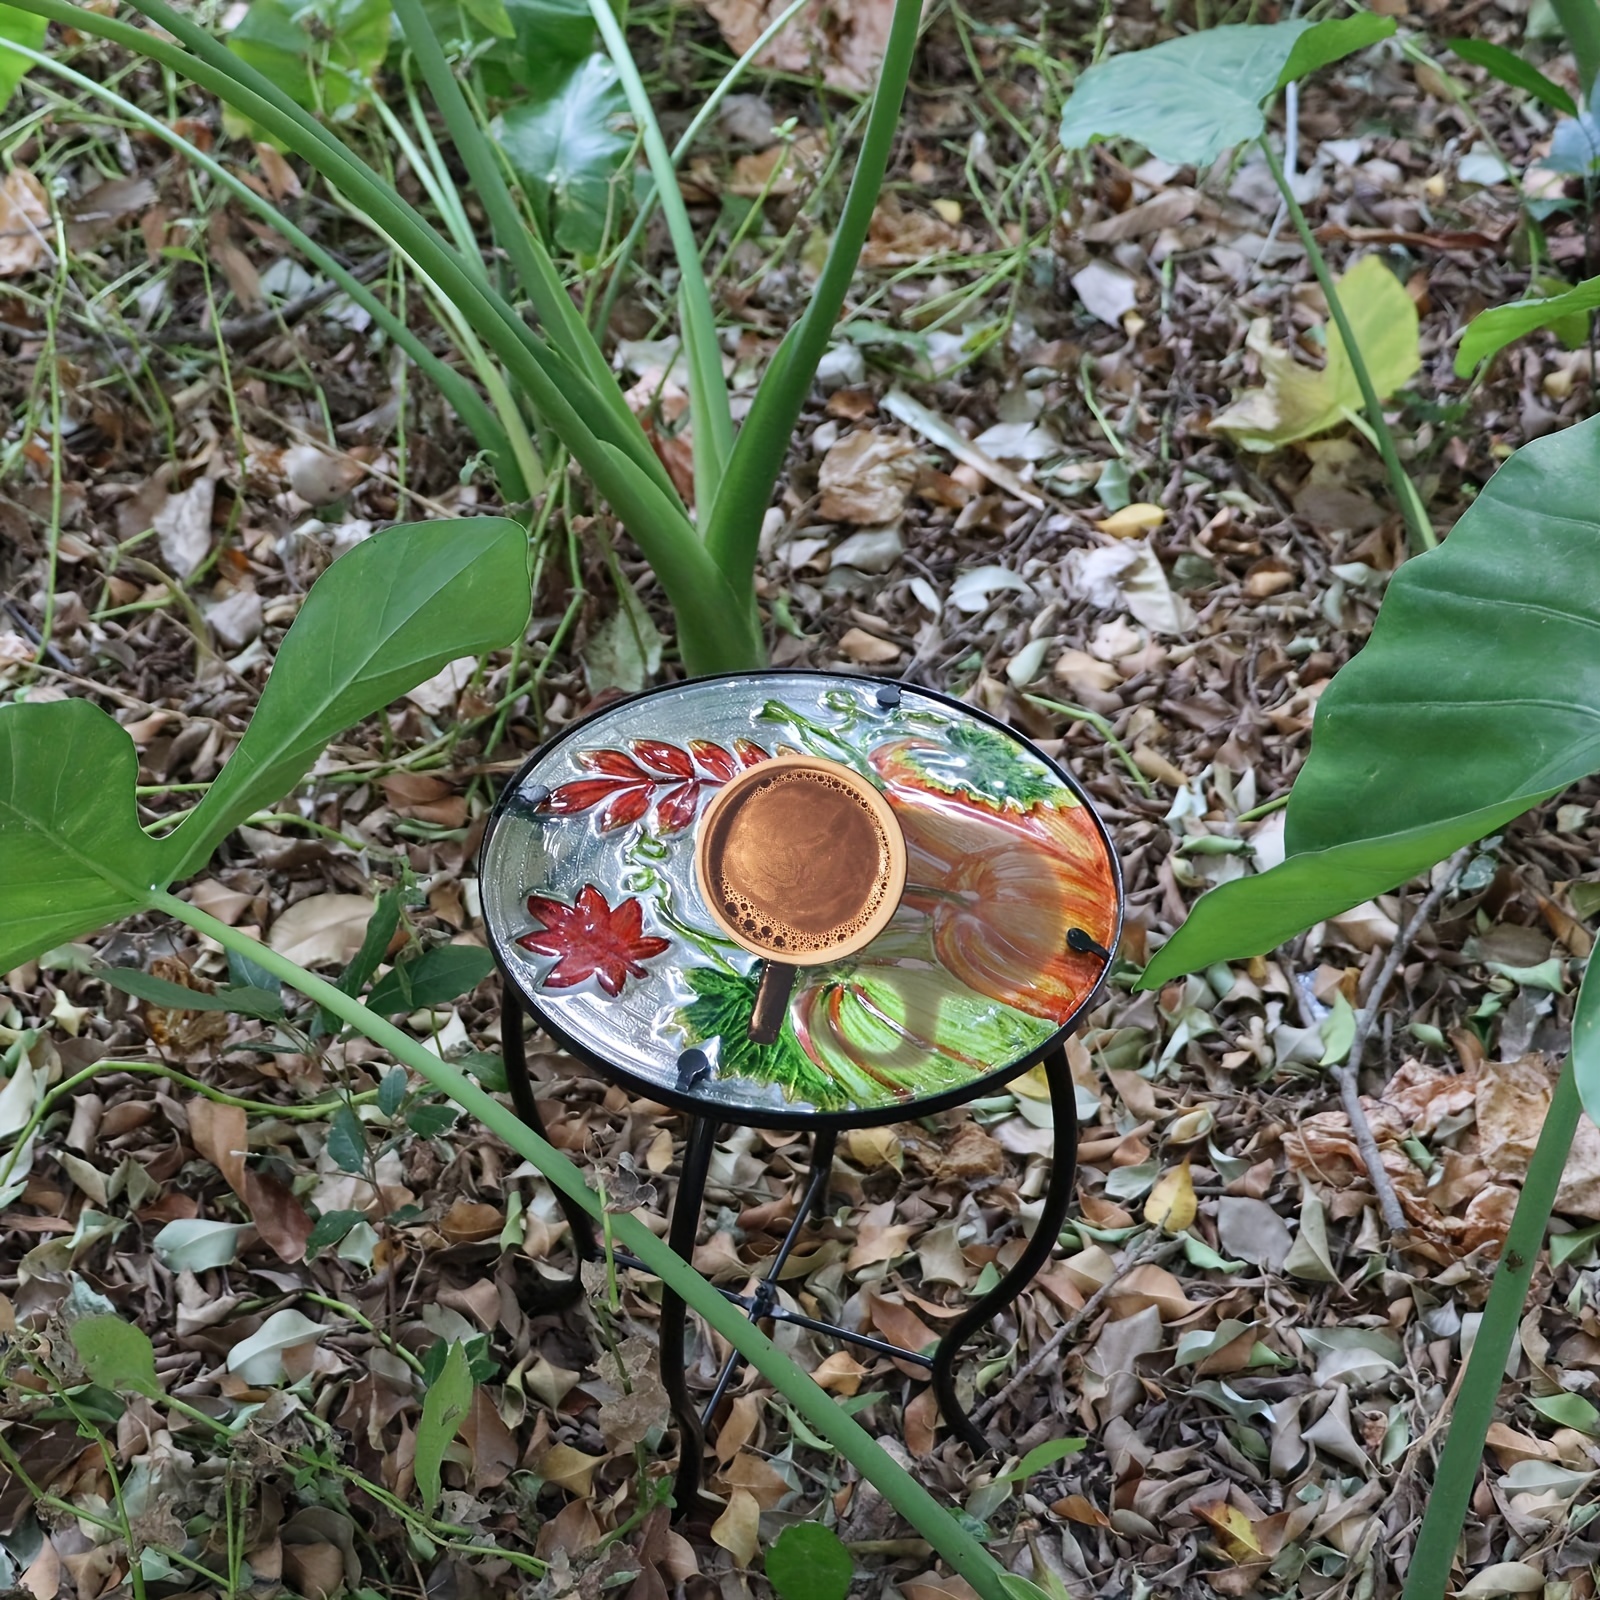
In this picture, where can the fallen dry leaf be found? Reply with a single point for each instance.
(844, 38)
(322, 929)
(737, 1528)
(24, 223)
(866, 477)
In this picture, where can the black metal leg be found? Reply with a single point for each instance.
(1057, 1201)
(674, 1314)
(766, 1295)
(514, 1050)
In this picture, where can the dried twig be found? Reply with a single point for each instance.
(1150, 1248)
(1348, 1075)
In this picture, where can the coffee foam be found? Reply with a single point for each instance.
(802, 836)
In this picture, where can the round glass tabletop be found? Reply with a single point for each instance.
(1011, 906)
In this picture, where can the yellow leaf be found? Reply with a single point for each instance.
(871, 1148)
(1192, 1125)
(1032, 1085)
(1298, 400)
(735, 1530)
(569, 1469)
(1140, 517)
(948, 210)
(1234, 1528)
(1172, 1204)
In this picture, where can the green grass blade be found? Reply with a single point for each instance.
(733, 523)
(708, 393)
(1429, 1577)
(467, 403)
(530, 260)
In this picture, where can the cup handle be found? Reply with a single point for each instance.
(772, 1002)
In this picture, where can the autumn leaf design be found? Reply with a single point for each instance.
(651, 772)
(591, 939)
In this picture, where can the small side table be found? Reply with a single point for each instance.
(1012, 905)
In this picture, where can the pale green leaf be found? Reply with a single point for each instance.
(116, 1355)
(1568, 1411)
(1042, 1456)
(444, 1409)
(24, 28)
(1326, 42)
(1338, 1031)
(321, 53)
(1298, 401)
(192, 1244)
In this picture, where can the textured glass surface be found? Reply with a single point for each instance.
(589, 891)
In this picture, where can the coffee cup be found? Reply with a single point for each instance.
(801, 862)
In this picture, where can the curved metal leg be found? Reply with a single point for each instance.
(1057, 1201)
(674, 1314)
(765, 1298)
(515, 1053)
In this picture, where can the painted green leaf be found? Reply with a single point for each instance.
(1298, 401)
(1477, 696)
(116, 1355)
(565, 142)
(1491, 331)
(75, 856)
(321, 53)
(25, 29)
(809, 1562)
(1510, 68)
(433, 978)
(379, 621)
(444, 1409)
(1190, 99)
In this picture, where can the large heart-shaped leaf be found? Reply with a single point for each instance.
(1189, 99)
(378, 622)
(565, 142)
(1477, 696)
(72, 854)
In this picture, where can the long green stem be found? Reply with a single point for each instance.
(708, 393)
(964, 1553)
(1428, 1577)
(1411, 508)
(530, 261)
(733, 524)
(461, 396)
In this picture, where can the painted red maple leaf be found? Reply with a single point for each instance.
(591, 940)
(652, 772)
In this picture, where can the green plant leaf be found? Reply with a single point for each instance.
(543, 33)
(347, 1141)
(329, 1229)
(23, 28)
(1188, 100)
(244, 1000)
(1326, 42)
(1510, 68)
(808, 1562)
(444, 1409)
(75, 856)
(1298, 401)
(392, 1091)
(565, 142)
(1568, 1411)
(379, 621)
(321, 53)
(433, 978)
(1477, 696)
(116, 1355)
(429, 1121)
(1042, 1456)
(1491, 331)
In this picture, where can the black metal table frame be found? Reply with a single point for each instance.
(762, 1305)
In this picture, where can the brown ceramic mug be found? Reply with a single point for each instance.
(801, 862)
